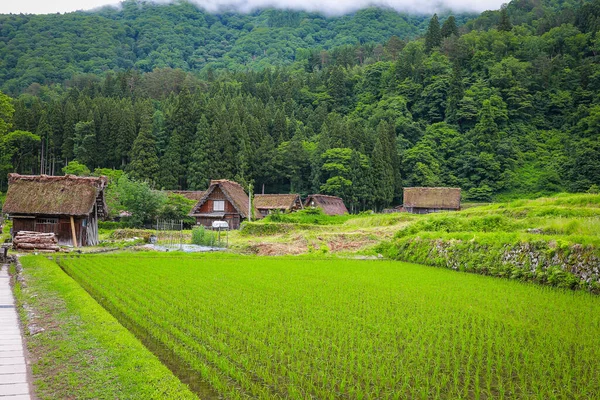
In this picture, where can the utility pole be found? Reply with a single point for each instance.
(249, 203)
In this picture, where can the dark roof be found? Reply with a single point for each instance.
(276, 201)
(432, 197)
(331, 205)
(234, 192)
(54, 195)
(188, 194)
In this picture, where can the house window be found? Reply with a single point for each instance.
(47, 221)
(218, 205)
(46, 225)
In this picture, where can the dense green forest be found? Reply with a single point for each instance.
(507, 104)
(143, 36)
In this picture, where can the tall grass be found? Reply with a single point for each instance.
(204, 237)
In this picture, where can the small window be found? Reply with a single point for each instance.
(218, 205)
(47, 221)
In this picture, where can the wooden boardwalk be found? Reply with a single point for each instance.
(13, 368)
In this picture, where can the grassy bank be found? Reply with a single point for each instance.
(553, 241)
(78, 350)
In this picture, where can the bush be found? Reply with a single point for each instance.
(310, 215)
(110, 225)
(204, 237)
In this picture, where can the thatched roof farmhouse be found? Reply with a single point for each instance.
(424, 200)
(224, 200)
(68, 206)
(331, 205)
(267, 203)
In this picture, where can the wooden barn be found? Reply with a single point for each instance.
(268, 203)
(424, 200)
(331, 205)
(68, 206)
(223, 201)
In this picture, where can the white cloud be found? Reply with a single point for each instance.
(332, 7)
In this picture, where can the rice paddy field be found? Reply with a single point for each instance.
(296, 327)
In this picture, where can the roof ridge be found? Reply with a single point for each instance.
(277, 194)
(14, 177)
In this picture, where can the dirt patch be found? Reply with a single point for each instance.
(279, 249)
(350, 242)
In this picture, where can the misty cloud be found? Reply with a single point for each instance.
(329, 7)
(337, 7)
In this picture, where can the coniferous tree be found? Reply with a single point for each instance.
(199, 169)
(68, 139)
(449, 27)
(170, 164)
(144, 158)
(85, 143)
(126, 132)
(455, 94)
(433, 37)
(383, 169)
(504, 24)
(44, 131)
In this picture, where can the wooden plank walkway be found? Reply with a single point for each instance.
(13, 368)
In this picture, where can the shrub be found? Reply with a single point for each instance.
(204, 237)
(110, 225)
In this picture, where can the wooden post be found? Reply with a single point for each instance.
(73, 232)
(249, 204)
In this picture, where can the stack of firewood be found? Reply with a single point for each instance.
(29, 241)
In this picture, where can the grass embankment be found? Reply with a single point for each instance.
(83, 352)
(256, 327)
(553, 241)
(307, 232)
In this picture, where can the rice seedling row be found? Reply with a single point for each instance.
(301, 328)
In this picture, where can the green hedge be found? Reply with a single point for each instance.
(269, 228)
(112, 225)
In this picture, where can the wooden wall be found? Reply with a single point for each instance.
(62, 228)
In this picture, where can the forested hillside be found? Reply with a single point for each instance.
(143, 36)
(507, 105)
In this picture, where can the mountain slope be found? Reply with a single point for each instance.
(144, 36)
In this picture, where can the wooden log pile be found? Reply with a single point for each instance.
(30, 241)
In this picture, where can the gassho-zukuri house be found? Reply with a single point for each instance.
(224, 200)
(424, 200)
(331, 205)
(284, 203)
(68, 206)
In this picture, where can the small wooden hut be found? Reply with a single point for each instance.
(224, 200)
(68, 206)
(425, 200)
(268, 203)
(331, 205)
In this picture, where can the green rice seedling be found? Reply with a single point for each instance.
(251, 327)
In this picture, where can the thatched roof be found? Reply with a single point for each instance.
(234, 192)
(432, 197)
(276, 201)
(331, 205)
(189, 194)
(54, 195)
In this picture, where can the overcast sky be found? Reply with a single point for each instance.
(326, 6)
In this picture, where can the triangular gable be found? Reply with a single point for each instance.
(233, 192)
